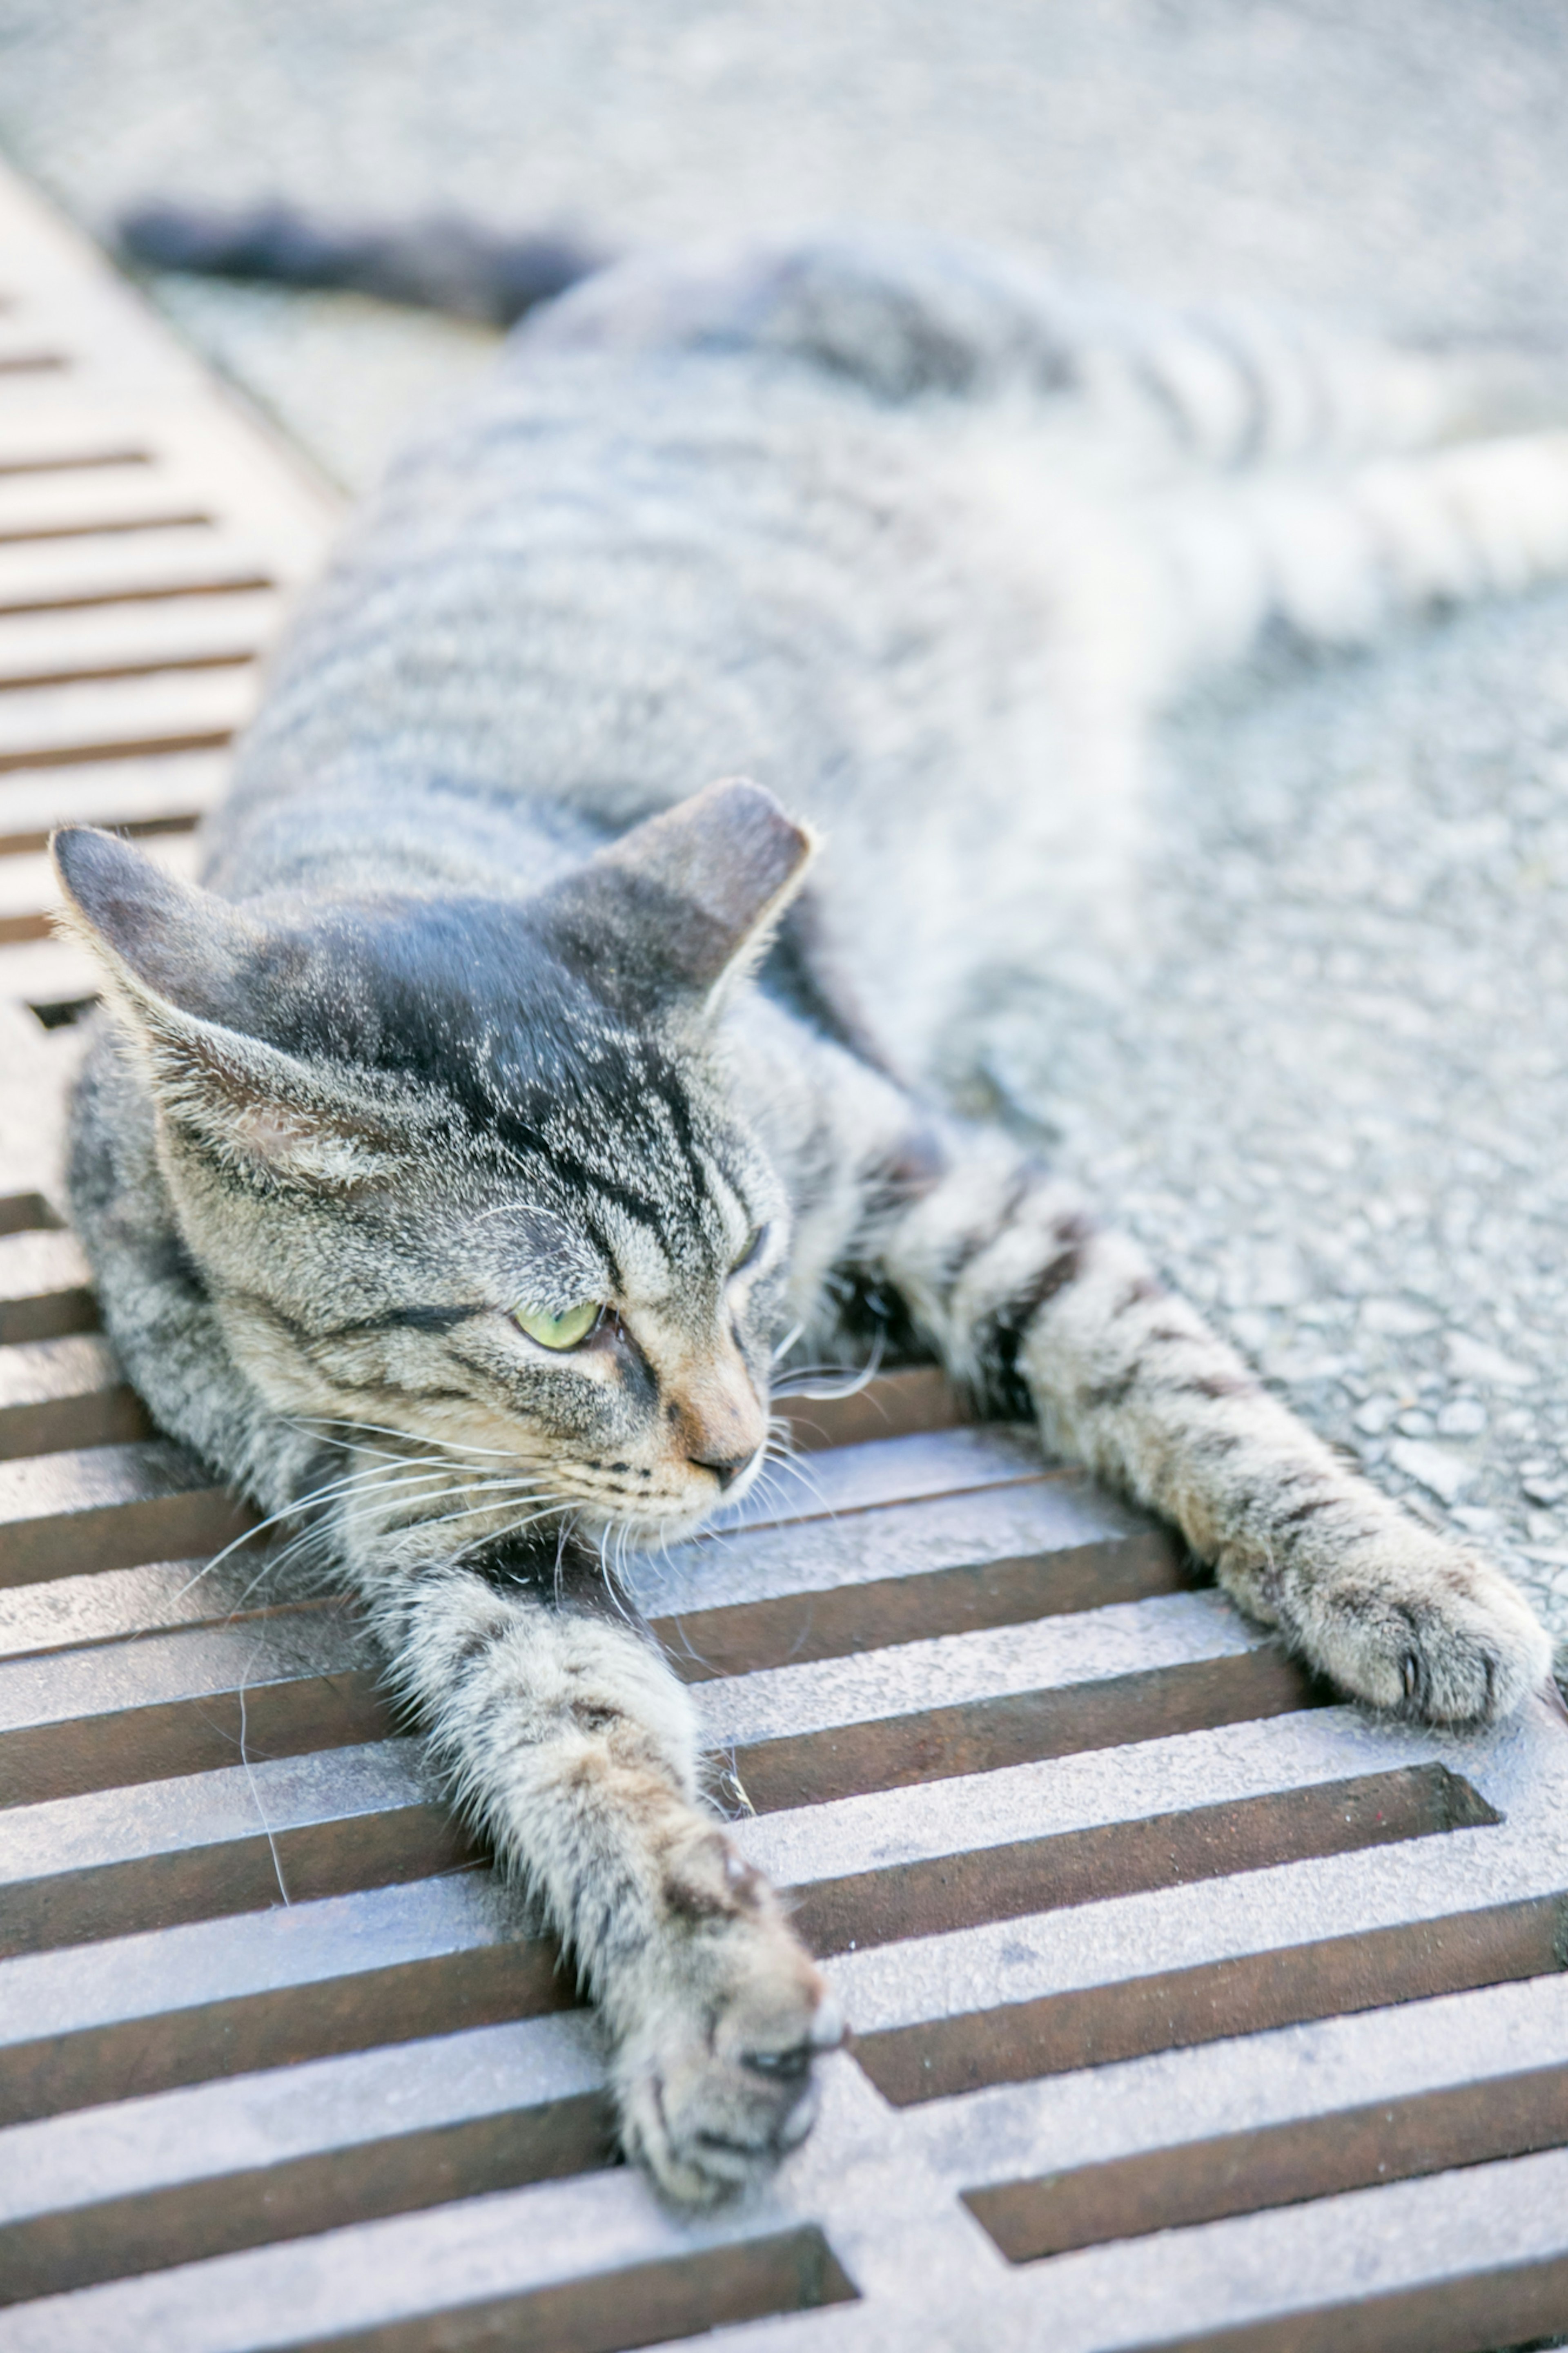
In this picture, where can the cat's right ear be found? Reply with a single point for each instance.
(681, 908)
(174, 960)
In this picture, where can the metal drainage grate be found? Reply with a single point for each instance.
(1191, 2009)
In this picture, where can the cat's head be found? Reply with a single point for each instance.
(461, 1169)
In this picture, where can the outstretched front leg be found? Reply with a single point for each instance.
(573, 1747)
(1026, 1300)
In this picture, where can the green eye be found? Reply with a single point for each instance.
(755, 1240)
(558, 1331)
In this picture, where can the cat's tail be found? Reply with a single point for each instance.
(438, 262)
(1332, 561)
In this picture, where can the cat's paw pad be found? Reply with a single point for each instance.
(1418, 1626)
(714, 2081)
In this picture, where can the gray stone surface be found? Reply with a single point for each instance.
(1333, 1096)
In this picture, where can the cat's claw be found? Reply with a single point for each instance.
(1429, 1631)
(715, 2082)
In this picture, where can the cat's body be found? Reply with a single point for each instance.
(920, 543)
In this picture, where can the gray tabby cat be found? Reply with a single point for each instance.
(453, 1161)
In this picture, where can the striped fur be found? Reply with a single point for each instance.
(463, 1027)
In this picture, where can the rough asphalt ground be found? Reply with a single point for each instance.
(1333, 1098)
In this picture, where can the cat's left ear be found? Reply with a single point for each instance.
(680, 910)
(180, 966)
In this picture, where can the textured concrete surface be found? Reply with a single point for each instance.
(1333, 1096)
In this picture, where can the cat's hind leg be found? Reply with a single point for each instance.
(569, 1743)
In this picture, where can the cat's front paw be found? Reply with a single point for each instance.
(1417, 1625)
(713, 2068)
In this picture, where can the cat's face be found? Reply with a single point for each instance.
(580, 1307)
(461, 1187)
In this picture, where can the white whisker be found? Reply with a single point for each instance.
(851, 1386)
(388, 1430)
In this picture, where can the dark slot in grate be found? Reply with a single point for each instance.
(397, 2174)
(1090, 1866)
(115, 748)
(132, 592)
(106, 527)
(621, 2311)
(27, 1213)
(1176, 2008)
(1486, 2312)
(986, 1736)
(1278, 2164)
(74, 461)
(154, 666)
(144, 2016)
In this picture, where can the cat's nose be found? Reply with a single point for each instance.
(726, 1468)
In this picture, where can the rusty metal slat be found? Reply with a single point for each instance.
(96, 641)
(44, 1287)
(237, 1840)
(107, 2022)
(127, 746)
(114, 1506)
(149, 518)
(803, 1627)
(1158, 1812)
(48, 1286)
(233, 575)
(178, 1703)
(942, 1566)
(68, 1393)
(1170, 1850)
(108, 1507)
(61, 501)
(987, 1735)
(105, 1605)
(138, 796)
(287, 1831)
(25, 1213)
(116, 566)
(155, 1596)
(1467, 2316)
(1452, 2264)
(577, 2266)
(1278, 2164)
(962, 1560)
(55, 725)
(1171, 2008)
(53, 458)
(877, 1539)
(61, 1733)
(864, 1477)
(920, 1682)
(1015, 2147)
(106, 2193)
(911, 1402)
(117, 666)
